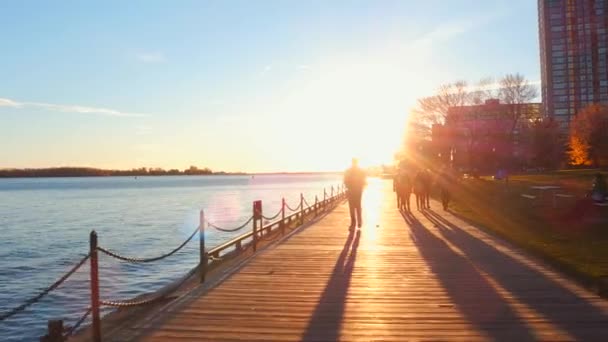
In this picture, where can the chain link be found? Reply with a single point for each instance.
(72, 329)
(293, 210)
(143, 260)
(227, 230)
(273, 217)
(126, 304)
(45, 292)
(306, 202)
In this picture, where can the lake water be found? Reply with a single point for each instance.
(45, 225)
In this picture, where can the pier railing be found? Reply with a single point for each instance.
(263, 228)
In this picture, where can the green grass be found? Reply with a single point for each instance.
(580, 247)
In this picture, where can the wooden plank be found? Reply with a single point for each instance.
(425, 276)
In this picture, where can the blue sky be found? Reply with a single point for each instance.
(239, 85)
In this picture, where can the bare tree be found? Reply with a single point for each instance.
(515, 90)
(434, 109)
(485, 89)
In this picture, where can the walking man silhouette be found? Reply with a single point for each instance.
(354, 180)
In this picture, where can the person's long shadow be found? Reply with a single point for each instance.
(528, 285)
(326, 320)
(471, 293)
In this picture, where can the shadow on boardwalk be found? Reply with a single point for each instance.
(472, 294)
(326, 320)
(527, 285)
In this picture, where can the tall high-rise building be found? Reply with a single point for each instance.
(574, 55)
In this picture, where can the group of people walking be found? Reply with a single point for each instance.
(420, 184)
(405, 183)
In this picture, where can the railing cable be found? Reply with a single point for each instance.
(144, 260)
(157, 297)
(306, 202)
(44, 292)
(273, 217)
(73, 328)
(230, 230)
(291, 209)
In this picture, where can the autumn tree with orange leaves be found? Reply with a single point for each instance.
(589, 136)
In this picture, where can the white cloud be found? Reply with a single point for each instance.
(68, 108)
(497, 86)
(448, 30)
(150, 57)
(8, 103)
(443, 32)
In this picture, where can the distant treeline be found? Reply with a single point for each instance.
(92, 172)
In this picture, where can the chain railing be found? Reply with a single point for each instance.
(44, 292)
(230, 230)
(71, 330)
(145, 260)
(272, 218)
(293, 209)
(260, 232)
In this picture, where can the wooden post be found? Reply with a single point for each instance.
(301, 208)
(262, 231)
(316, 205)
(332, 191)
(283, 216)
(96, 321)
(255, 230)
(55, 333)
(202, 254)
(257, 217)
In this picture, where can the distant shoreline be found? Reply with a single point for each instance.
(72, 172)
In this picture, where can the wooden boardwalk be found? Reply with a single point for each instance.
(426, 277)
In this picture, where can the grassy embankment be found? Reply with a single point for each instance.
(578, 247)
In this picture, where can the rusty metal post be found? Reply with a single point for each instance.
(202, 254)
(283, 216)
(301, 209)
(96, 321)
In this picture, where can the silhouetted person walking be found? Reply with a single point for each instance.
(396, 187)
(427, 181)
(419, 190)
(405, 189)
(354, 180)
(444, 181)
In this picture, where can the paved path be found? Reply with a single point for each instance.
(429, 276)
